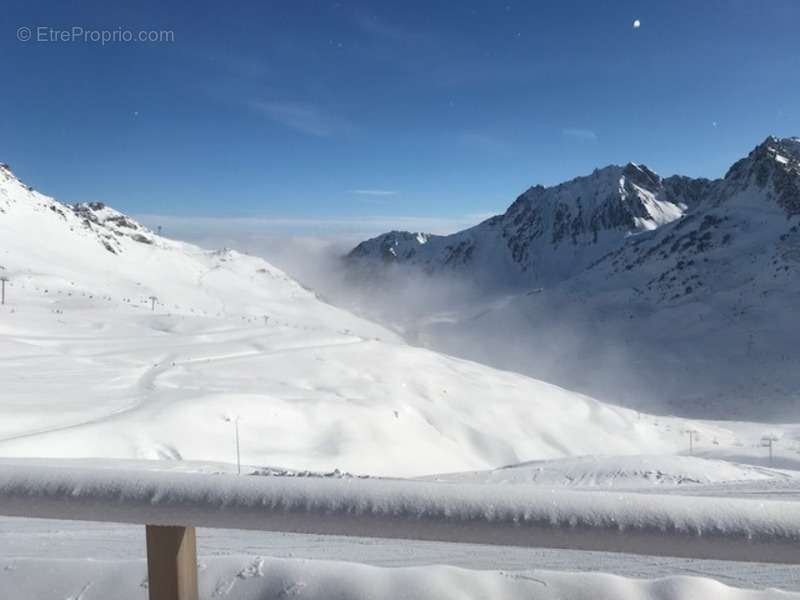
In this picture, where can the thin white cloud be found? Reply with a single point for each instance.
(578, 133)
(374, 192)
(302, 117)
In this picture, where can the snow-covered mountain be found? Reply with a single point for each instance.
(550, 234)
(678, 290)
(746, 234)
(59, 255)
(547, 234)
(93, 368)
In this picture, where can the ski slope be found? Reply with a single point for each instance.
(122, 383)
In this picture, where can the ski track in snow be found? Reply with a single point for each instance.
(147, 392)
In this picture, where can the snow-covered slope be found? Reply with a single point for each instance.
(91, 256)
(89, 369)
(625, 472)
(686, 298)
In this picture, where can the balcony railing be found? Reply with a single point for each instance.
(171, 505)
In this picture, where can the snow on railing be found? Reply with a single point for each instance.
(172, 504)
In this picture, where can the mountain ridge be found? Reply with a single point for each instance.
(551, 233)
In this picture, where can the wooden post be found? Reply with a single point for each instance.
(171, 563)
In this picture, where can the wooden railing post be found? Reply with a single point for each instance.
(171, 563)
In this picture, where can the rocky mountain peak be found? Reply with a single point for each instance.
(8, 178)
(783, 153)
(94, 219)
(392, 246)
(641, 176)
(772, 169)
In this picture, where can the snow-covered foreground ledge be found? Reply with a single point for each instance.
(694, 527)
(255, 578)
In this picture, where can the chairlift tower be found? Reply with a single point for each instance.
(235, 421)
(693, 436)
(768, 441)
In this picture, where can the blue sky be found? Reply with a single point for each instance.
(384, 111)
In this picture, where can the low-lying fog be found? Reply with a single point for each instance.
(636, 362)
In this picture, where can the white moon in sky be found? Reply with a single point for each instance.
(637, 23)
